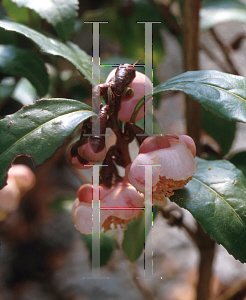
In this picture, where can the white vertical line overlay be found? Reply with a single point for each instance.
(95, 74)
(148, 247)
(96, 226)
(149, 73)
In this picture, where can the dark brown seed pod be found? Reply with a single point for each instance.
(139, 133)
(97, 143)
(75, 159)
(124, 75)
(109, 173)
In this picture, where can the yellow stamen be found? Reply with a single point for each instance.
(117, 221)
(166, 186)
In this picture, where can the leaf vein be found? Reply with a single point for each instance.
(217, 194)
(37, 128)
(224, 90)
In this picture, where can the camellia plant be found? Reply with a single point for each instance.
(214, 191)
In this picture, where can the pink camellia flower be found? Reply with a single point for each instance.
(118, 205)
(176, 157)
(141, 86)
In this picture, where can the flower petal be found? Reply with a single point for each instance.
(177, 162)
(122, 201)
(82, 216)
(136, 173)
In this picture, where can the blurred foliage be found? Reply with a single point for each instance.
(107, 246)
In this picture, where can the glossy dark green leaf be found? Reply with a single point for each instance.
(239, 160)
(216, 197)
(107, 246)
(221, 93)
(134, 237)
(222, 131)
(24, 63)
(60, 13)
(69, 51)
(214, 12)
(38, 130)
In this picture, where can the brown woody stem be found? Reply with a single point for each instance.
(190, 50)
(132, 130)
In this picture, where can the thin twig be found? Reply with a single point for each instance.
(206, 246)
(238, 288)
(224, 50)
(148, 295)
(211, 55)
(170, 20)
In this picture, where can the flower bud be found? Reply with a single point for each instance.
(82, 210)
(123, 195)
(141, 85)
(92, 153)
(77, 161)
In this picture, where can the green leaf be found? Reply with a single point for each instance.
(127, 32)
(64, 203)
(17, 14)
(24, 63)
(216, 197)
(222, 131)
(134, 237)
(6, 88)
(24, 92)
(38, 130)
(107, 246)
(214, 12)
(221, 93)
(239, 160)
(60, 13)
(69, 51)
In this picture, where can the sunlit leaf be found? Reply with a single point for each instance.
(60, 13)
(69, 51)
(6, 88)
(221, 93)
(214, 12)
